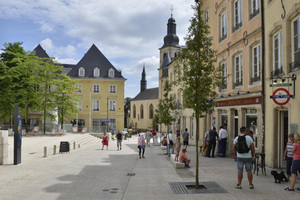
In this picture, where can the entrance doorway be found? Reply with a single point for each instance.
(283, 131)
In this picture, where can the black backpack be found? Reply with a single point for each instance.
(241, 145)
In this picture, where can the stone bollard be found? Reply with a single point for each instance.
(45, 152)
(54, 149)
(3, 148)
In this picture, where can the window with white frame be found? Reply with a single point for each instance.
(277, 51)
(238, 69)
(223, 26)
(96, 72)
(206, 16)
(254, 8)
(237, 14)
(111, 73)
(224, 75)
(96, 89)
(256, 63)
(112, 105)
(79, 105)
(112, 89)
(96, 105)
(296, 43)
(81, 71)
(79, 86)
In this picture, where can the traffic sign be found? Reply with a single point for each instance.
(281, 96)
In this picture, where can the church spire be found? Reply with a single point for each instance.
(143, 80)
(171, 39)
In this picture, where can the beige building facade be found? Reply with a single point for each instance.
(282, 47)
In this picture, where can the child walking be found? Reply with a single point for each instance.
(177, 147)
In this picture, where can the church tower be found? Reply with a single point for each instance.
(143, 80)
(168, 51)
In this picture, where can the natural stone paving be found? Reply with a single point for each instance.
(90, 173)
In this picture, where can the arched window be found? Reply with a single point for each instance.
(81, 71)
(96, 72)
(142, 111)
(134, 111)
(111, 73)
(151, 113)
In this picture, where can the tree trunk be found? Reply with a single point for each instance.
(197, 152)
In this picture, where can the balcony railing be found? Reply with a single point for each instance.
(256, 12)
(255, 79)
(237, 26)
(223, 37)
(294, 66)
(238, 83)
(277, 73)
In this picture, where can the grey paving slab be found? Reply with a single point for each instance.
(90, 173)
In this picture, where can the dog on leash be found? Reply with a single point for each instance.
(203, 149)
(278, 176)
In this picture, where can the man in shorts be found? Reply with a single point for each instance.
(119, 137)
(185, 137)
(244, 159)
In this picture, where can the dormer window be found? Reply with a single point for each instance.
(81, 71)
(96, 72)
(111, 73)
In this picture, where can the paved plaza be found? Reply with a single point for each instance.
(89, 173)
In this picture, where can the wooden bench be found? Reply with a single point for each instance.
(176, 164)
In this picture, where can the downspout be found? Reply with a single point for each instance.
(263, 77)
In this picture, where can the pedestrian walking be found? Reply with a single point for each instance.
(185, 136)
(119, 137)
(243, 149)
(105, 141)
(295, 164)
(148, 137)
(289, 155)
(170, 143)
(223, 135)
(141, 145)
(213, 136)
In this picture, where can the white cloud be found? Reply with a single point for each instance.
(67, 61)
(58, 51)
(46, 27)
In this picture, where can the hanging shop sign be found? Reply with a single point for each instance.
(281, 96)
(281, 85)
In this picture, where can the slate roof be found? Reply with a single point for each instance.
(91, 60)
(151, 93)
(167, 60)
(40, 52)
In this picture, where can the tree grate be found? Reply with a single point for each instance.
(206, 187)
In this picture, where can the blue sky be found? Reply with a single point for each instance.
(129, 33)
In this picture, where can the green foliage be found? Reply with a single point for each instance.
(196, 72)
(165, 106)
(37, 85)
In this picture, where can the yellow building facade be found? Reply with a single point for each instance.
(101, 90)
(282, 47)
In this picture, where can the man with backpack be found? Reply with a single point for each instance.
(243, 149)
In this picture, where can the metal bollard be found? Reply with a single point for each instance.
(74, 145)
(45, 152)
(54, 149)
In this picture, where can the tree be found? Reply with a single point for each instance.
(7, 59)
(197, 75)
(165, 107)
